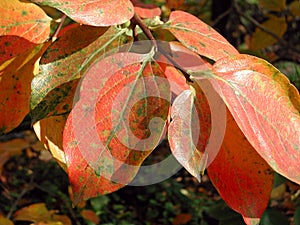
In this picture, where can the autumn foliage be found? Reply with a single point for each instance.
(105, 81)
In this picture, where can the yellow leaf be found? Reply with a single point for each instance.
(4, 221)
(50, 132)
(261, 39)
(274, 5)
(40, 215)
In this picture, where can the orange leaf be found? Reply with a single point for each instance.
(108, 133)
(265, 106)
(198, 36)
(90, 215)
(243, 179)
(95, 13)
(15, 85)
(25, 20)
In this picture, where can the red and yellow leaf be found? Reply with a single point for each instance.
(112, 128)
(198, 36)
(94, 13)
(265, 106)
(15, 85)
(243, 179)
(24, 19)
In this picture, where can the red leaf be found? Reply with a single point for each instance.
(266, 107)
(198, 36)
(95, 13)
(25, 20)
(243, 179)
(110, 125)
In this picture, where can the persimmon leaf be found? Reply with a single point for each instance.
(38, 213)
(275, 5)
(25, 20)
(198, 36)
(182, 135)
(15, 79)
(113, 126)
(265, 105)
(64, 62)
(261, 39)
(50, 133)
(146, 10)
(95, 13)
(239, 174)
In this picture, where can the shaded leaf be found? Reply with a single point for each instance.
(112, 128)
(12, 46)
(294, 7)
(275, 5)
(50, 132)
(265, 106)
(90, 215)
(198, 36)
(15, 80)
(261, 39)
(239, 173)
(182, 136)
(182, 218)
(146, 10)
(25, 20)
(95, 13)
(5, 221)
(274, 217)
(38, 213)
(64, 62)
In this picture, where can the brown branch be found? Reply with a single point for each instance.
(136, 20)
(62, 20)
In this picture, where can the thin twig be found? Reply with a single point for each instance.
(62, 20)
(27, 188)
(136, 20)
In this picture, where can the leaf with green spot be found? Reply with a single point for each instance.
(94, 13)
(266, 107)
(65, 61)
(24, 19)
(198, 36)
(115, 124)
(15, 79)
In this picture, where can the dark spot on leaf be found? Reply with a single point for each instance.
(24, 13)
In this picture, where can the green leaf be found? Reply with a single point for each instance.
(65, 62)
(274, 217)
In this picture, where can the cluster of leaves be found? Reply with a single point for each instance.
(41, 77)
